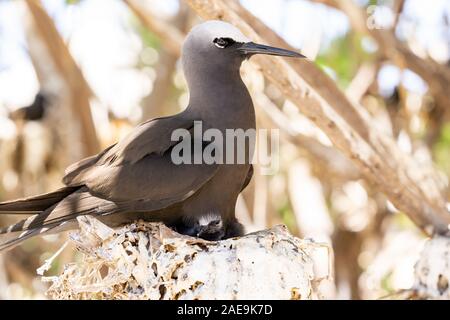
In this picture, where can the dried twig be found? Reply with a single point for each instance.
(156, 104)
(169, 35)
(437, 76)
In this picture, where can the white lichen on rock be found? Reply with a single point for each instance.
(150, 261)
(432, 271)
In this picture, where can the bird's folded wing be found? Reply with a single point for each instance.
(153, 136)
(76, 169)
(140, 168)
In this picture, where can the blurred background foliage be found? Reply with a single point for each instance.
(131, 73)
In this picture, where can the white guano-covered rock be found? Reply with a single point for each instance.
(433, 270)
(150, 261)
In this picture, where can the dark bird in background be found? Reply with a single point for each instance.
(136, 178)
(33, 112)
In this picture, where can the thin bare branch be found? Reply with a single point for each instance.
(157, 104)
(436, 75)
(398, 8)
(169, 35)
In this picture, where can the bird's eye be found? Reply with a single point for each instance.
(223, 42)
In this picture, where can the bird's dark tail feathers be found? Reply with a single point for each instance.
(62, 207)
(14, 239)
(37, 203)
(37, 207)
(32, 226)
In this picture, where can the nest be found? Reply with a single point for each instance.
(432, 271)
(150, 261)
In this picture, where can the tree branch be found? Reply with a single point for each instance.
(436, 75)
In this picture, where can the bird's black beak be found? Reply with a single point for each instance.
(251, 48)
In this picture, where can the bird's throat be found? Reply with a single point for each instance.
(222, 100)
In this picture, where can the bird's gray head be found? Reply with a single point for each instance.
(217, 46)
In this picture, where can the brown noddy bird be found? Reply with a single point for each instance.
(136, 177)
